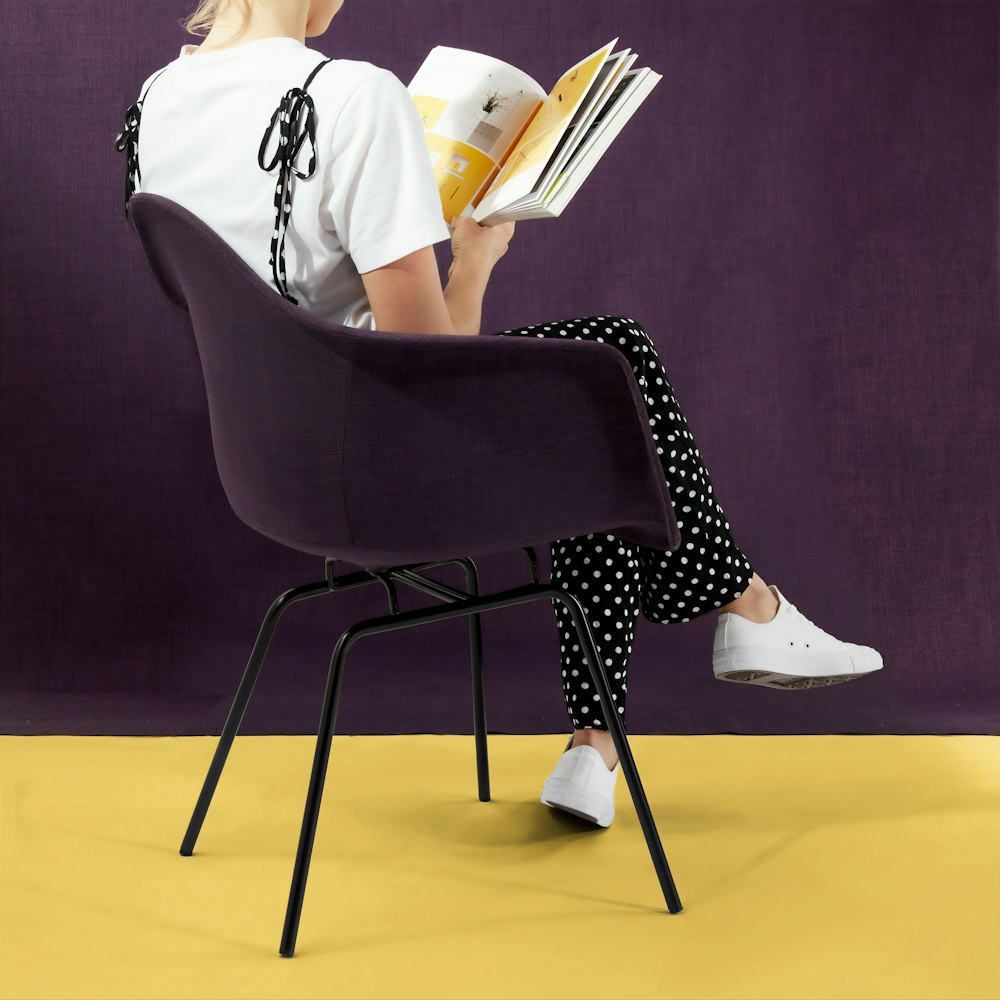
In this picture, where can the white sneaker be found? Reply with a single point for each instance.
(581, 784)
(789, 652)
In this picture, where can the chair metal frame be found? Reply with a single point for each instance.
(459, 603)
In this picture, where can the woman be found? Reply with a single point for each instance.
(359, 252)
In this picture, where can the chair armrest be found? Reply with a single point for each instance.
(519, 441)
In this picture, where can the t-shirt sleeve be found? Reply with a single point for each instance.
(383, 196)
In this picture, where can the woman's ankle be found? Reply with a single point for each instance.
(757, 603)
(601, 740)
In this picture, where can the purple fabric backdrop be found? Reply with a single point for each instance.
(804, 218)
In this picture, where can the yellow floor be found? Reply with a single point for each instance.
(809, 867)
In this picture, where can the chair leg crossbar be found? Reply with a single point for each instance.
(458, 603)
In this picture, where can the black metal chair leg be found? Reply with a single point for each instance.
(278, 607)
(600, 679)
(458, 608)
(324, 739)
(321, 758)
(478, 692)
(476, 656)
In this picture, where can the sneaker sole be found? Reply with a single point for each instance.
(744, 667)
(557, 793)
(765, 678)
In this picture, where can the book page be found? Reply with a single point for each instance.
(605, 90)
(528, 159)
(605, 114)
(630, 93)
(615, 110)
(474, 109)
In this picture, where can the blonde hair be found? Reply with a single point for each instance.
(208, 10)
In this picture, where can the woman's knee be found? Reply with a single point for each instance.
(623, 332)
(622, 321)
(616, 330)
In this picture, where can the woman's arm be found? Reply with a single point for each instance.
(406, 294)
(467, 281)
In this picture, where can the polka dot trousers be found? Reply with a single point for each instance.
(615, 579)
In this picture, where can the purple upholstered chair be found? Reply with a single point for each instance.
(399, 452)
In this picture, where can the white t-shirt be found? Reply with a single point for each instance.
(371, 199)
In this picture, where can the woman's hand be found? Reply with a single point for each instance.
(474, 243)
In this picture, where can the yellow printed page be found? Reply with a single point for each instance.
(474, 108)
(528, 158)
(461, 171)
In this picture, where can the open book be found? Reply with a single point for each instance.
(502, 147)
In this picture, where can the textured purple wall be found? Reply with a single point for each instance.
(804, 218)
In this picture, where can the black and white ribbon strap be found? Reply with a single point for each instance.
(293, 129)
(128, 141)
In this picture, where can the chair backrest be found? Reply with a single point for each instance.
(382, 448)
